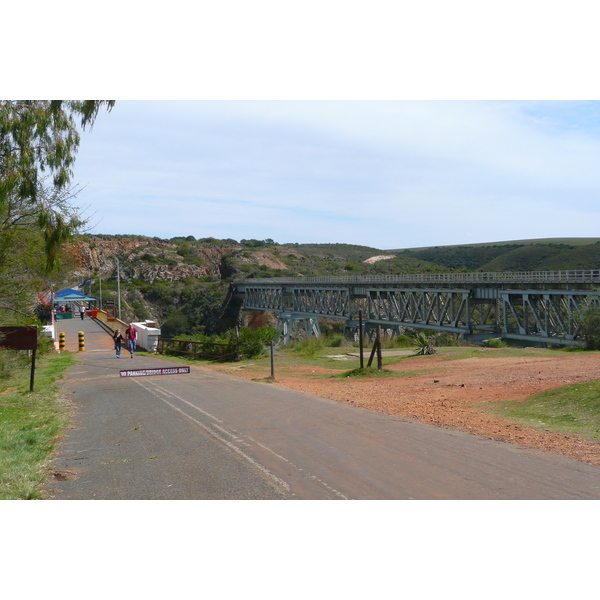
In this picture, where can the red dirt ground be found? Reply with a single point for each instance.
(442, 396)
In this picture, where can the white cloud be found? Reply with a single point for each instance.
(358, 172)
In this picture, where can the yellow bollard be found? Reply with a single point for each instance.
(61, 342)
(81, 341)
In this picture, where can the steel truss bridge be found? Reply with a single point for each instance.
(534, 306)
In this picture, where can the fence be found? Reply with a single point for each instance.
(212, 350)
(566, 276)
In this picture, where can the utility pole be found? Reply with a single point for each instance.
(119, 288)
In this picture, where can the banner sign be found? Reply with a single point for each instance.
(148, 372)
(45, 298)
(19, 338)
(111, 313)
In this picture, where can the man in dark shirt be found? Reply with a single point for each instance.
(131, 337)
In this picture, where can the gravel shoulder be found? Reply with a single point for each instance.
(450, 393)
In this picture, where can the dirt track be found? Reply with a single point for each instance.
(440, 393)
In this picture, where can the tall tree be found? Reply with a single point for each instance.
(38, 136)
(38, 144)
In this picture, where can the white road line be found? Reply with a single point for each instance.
(237, 436)
(170, 394)
(212, 433)
(300, 470)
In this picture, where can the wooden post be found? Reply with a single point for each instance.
(378, 343)
(372, 354)
(32, 371)
(272, 362)
(360, 339)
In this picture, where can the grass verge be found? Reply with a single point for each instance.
(572, 409)
(370, 372)
(340, 361)
(29, 426)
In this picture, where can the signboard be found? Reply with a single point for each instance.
(148, 372)
(111, 313)
(19, 338)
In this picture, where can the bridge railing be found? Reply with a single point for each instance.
(565, 276)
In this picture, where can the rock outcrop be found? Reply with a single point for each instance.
(146, 259)
(154, 259)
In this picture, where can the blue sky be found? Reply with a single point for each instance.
(388, 174)
(397, 125)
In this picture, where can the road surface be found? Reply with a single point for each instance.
(206, 435)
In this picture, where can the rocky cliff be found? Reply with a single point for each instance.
(147, 260)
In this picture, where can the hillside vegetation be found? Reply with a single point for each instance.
(183, 283)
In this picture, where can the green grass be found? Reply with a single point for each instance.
(297, 360)
(460, 352)
(370, 372)
(572, 409)
(29, 426)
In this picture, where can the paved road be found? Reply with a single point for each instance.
(206, 435)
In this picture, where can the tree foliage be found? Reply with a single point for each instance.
(38, 144)
(38, 136)
(589, 319)
(252, 344)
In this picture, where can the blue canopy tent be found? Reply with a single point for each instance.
(74, 298)
(69, 295)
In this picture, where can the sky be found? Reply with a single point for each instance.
(386, 174)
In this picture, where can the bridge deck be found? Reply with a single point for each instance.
(539, 306)
(565, 276)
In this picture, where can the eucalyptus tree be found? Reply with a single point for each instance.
(38, 145)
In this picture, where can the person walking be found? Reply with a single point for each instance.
(82, 311)
(131, 335)
(118, 339)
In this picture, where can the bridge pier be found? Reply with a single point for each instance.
(298, 326)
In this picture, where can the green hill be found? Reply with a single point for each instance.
(538, 255)
(583, 241)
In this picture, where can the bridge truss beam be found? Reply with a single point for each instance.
(545, 315)
(446, 310)
(536, 311)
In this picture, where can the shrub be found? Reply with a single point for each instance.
(447, 339)
(402, 341)
(424, 344)
(254, 343)
(308, 347)
(44, 344)
(335, 341)
(8, 359)
(369, 372)
(590, 326)
(495, 343)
